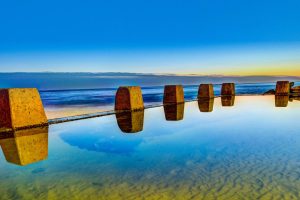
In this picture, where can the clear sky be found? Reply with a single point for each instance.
(232, 37)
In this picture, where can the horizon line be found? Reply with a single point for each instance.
(156, 74)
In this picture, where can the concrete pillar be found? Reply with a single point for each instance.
(206, 105)
(228, 89)
(174, 112)
(26, 146)
(130, 121)
(129, 98)
(227, 100)
(281, 100)
(206, 91)
(173, 94)
(282, 88)
(21, 108)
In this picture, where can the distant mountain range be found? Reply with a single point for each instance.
(78, 80)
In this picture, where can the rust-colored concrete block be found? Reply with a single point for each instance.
(227, 100)
(129, 98)
(26, 146)
(281, 100)
(282, 88)
(130, 121)
(206, 91)
(174, 112)
(206, 105)
(228, 89)
(173, 94)
(21, 108)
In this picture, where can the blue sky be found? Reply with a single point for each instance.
(151, 36)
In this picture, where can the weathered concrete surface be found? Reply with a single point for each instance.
(26, 146)
(129, 98)
(206, 105)
(130, 121)
(206, 91)
(227, 100)
(228, 89)
(173, 94)
(282, 88)
(21, 108)
(174, 112)
(281, 100)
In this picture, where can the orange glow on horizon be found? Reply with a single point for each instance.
(259, 70)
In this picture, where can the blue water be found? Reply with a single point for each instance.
(246, 151)
(152, 95)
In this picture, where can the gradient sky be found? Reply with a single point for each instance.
(233, 37)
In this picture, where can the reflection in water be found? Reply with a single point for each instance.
(291, 99)
(227, 100)
(281, 101)
(174, 112)
(131, 121)
(27, 146)
(206, 105)
(249, 152)
(102, 143)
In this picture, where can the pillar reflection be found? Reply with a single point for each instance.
(130, 121)
(293, 98)
(174, 112)
(227, 100)
(205, 104)
(281, 101)
(26, 146)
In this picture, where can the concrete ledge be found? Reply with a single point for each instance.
(206, 105)
(26, 146)
(282, 88)
(281, 100)
(21, 108)
(206, 91)
(130, 121)
(173, 94)
(129, 98)
(228, 89)
(227, 100)
(174, 112)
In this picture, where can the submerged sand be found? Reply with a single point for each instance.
(53, 113)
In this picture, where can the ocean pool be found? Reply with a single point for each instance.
(247, 147)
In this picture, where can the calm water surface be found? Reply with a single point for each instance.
(62, 103)
(245, 149)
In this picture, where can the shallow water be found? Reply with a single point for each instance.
(241, 148)
(63, 103)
